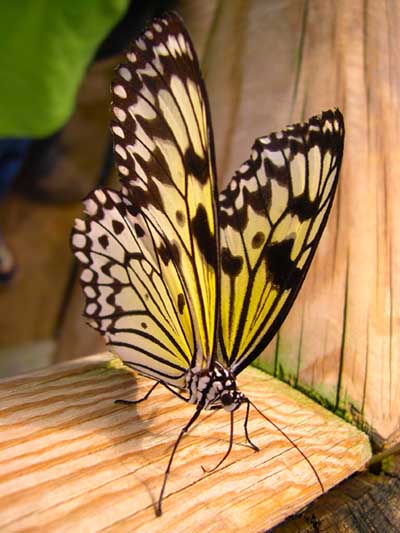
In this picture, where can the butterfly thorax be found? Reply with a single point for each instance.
(213, 388)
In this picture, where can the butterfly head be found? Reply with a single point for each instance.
(231, 400)
(214, 388)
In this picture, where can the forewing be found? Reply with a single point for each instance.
(272, 214)
(132, 297)
(164, 153)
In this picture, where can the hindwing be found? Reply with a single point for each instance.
(134, 297)
(272, 214)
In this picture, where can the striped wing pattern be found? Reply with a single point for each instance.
(164, 154)
(173, 275)
(272, 214)
(133, 297)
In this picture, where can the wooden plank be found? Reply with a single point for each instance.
(365, 502)
(272, 63)
(71, 459)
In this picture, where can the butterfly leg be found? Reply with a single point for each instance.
(184, 430)
(130, 402)
(174, 392)
(256, 448)
(228, 451)
(292, 443)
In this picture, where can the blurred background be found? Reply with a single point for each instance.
(57, 60)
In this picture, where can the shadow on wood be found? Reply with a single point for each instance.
(72, 459)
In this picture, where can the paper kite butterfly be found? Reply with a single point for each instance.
(188, 284)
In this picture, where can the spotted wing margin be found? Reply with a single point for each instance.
(272, 215)
(164, 152)
(135, 300)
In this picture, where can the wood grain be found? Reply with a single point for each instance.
(73, 460)
(273, 63)
(365, 502)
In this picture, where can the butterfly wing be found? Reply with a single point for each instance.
(272, 214)
(164, 153)
(128, 290)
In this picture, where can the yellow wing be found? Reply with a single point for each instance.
(132, 297)
(272, 214)
(164, 154)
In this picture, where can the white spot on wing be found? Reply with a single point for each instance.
(298, 174)
(141, 44)
(80, 224)
(78, 240)
(83, 258)
(162, 50)
(314, 165)
(276, 158)
(119, 91)
(123, 170)
(87, 275)
(101, 197)
(119, 113)
(182, 42)
(118, 131)
(125, 73)
(90, 207)
(120, 151)
(279, 200)
(91, 309)
(173, 46)
(89, 291)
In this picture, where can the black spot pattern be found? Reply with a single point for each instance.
(118, 227)
(258, 240)
(181, 303)
(180, 218)
(202, 233)
(231, 265)
(282, 269)
(265, 189)
(139, 231)
(104, 241)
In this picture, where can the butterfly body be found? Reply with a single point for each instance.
(188, 285)
(213, 388)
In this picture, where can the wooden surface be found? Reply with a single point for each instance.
(365, 502)
(268, 64)
(73, 460)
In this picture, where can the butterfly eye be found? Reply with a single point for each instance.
(226, 398)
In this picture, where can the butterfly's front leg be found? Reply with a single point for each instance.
(132, 402)
(256, 448)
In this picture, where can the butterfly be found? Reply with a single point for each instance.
(187, 284)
